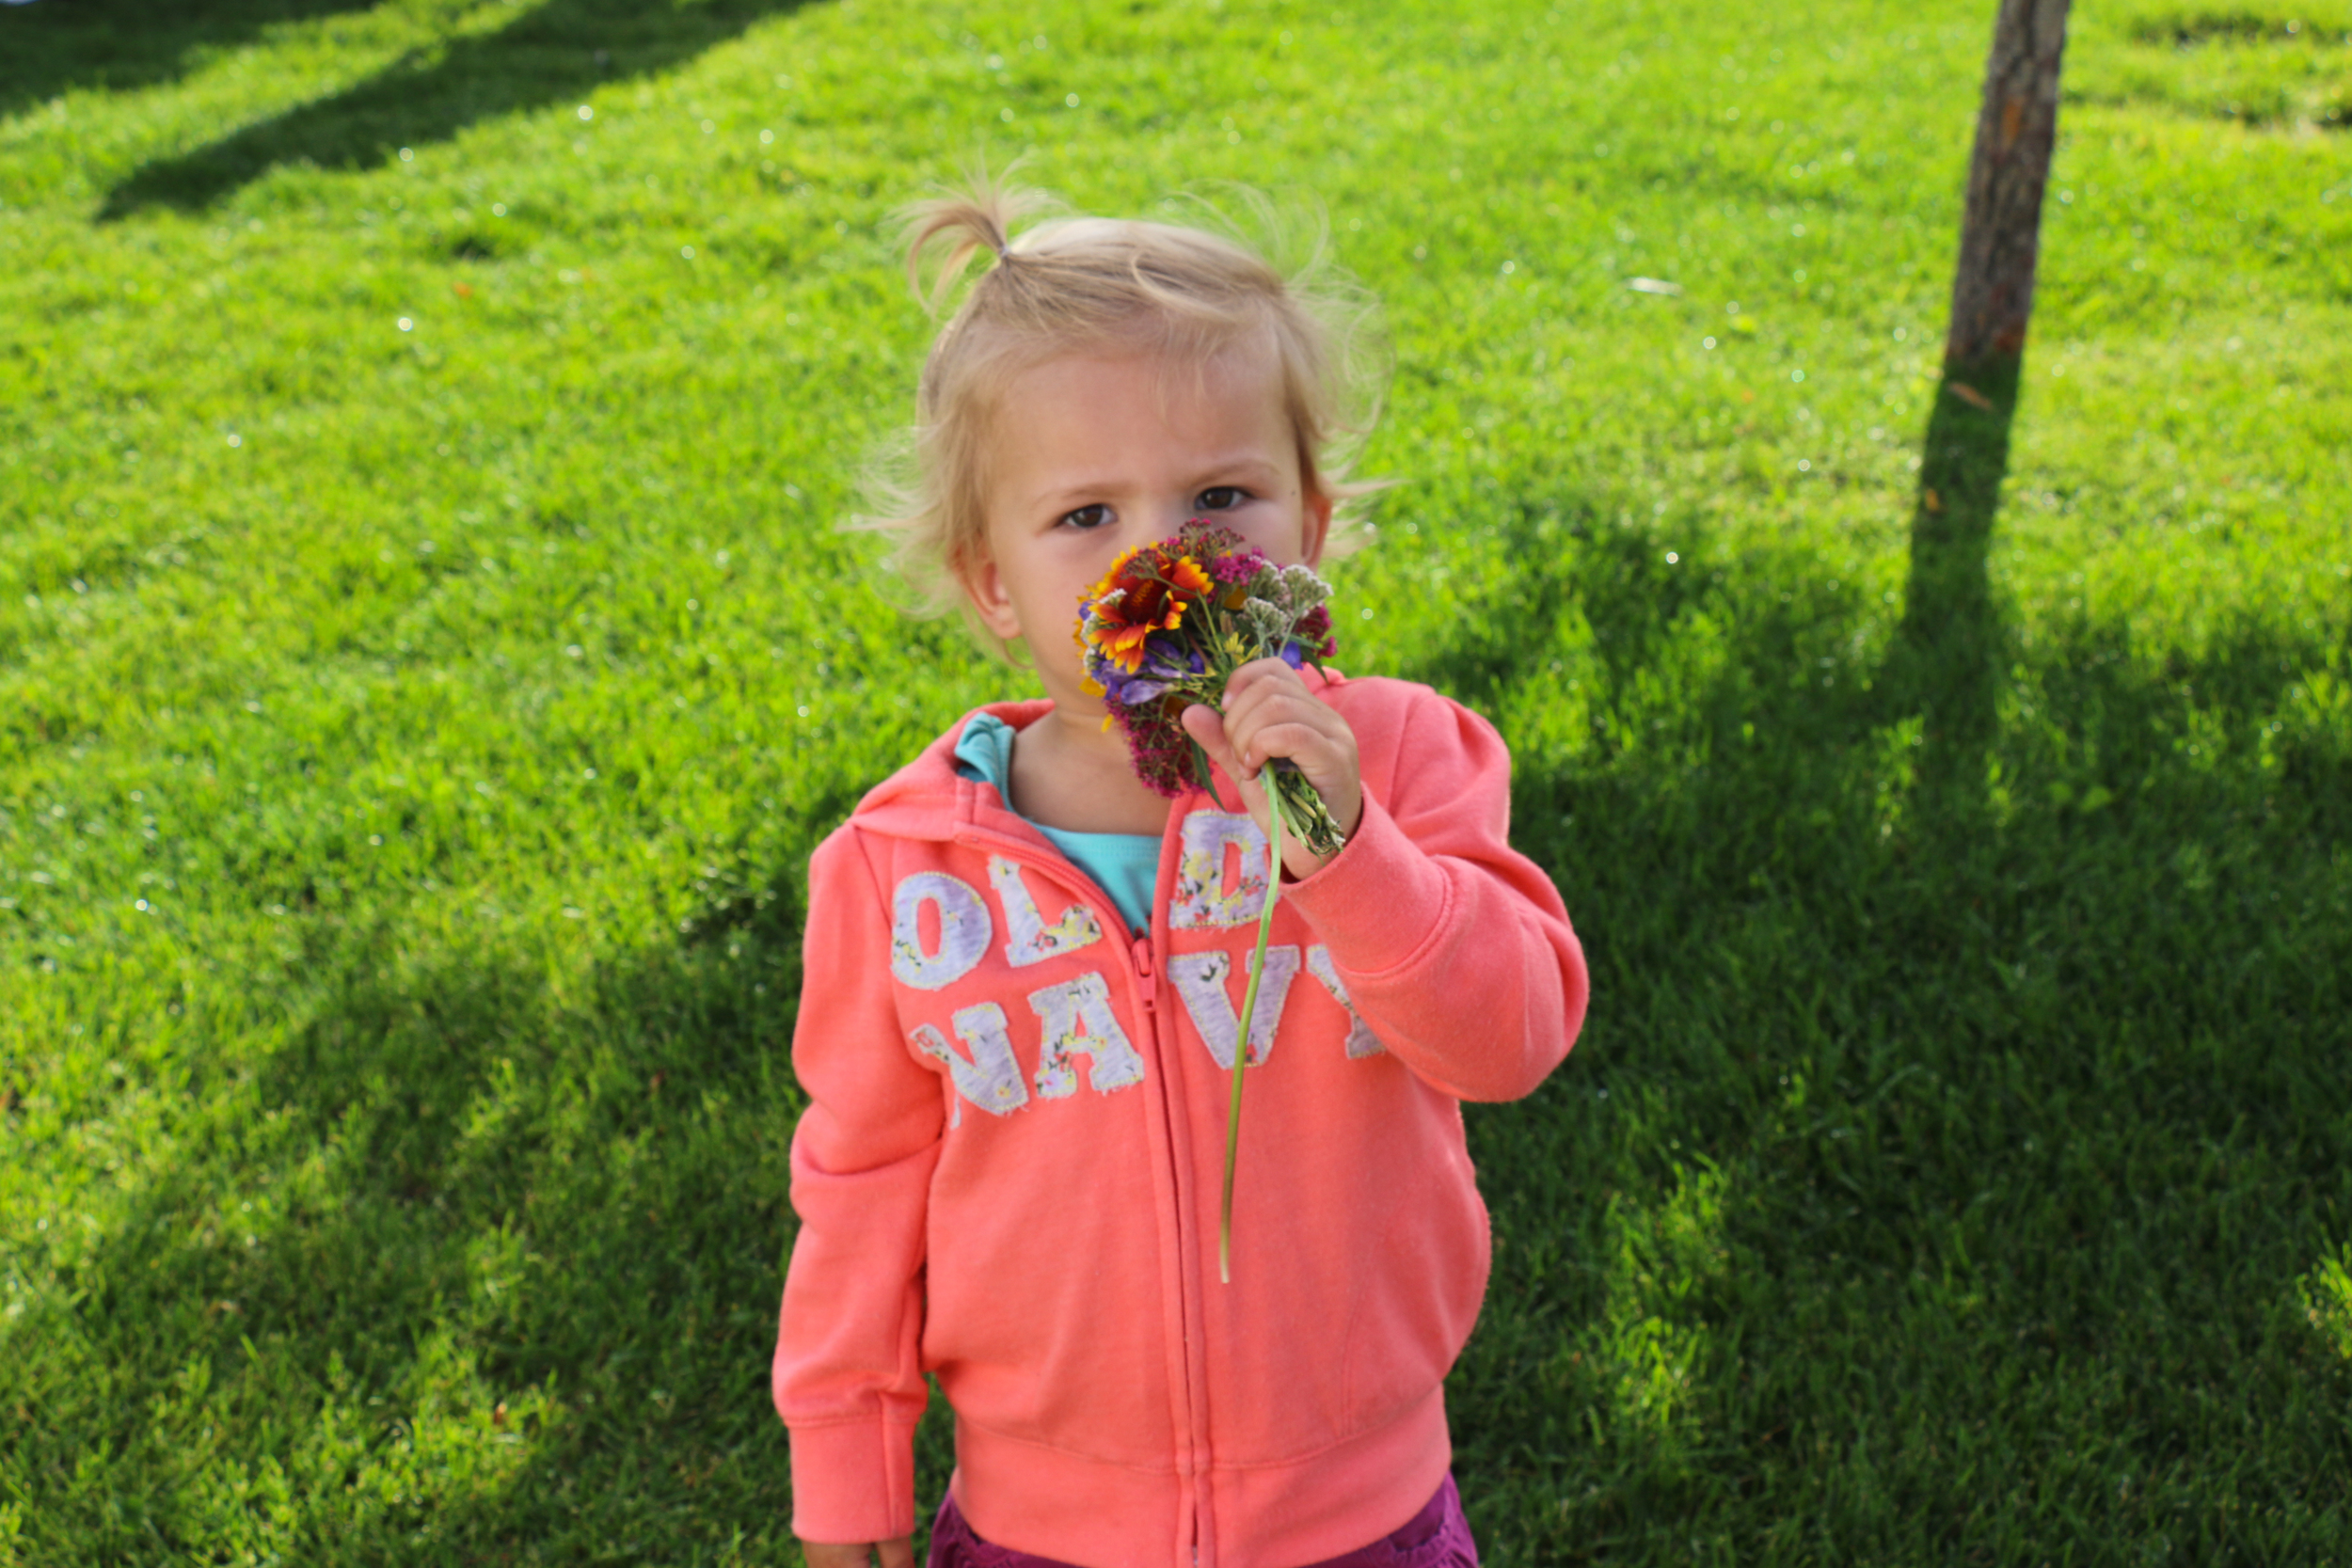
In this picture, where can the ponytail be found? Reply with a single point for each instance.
(979, 216)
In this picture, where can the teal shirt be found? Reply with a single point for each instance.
(1124, 865)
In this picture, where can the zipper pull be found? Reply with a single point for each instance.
(1147, 979)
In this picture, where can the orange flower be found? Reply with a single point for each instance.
(1153, 591)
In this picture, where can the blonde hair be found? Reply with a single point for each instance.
(1071, 285)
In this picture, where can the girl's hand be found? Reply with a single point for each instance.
(893, 1554)
(1269, 713)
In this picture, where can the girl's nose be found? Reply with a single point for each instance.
(1150, 523)
(1171, 515)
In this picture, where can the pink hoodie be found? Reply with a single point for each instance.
(1008, 1174)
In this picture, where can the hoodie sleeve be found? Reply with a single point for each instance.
(848, 1374)
(1454, 948)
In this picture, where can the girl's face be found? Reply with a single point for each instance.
(1096, 455)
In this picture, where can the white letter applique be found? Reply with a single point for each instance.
(991, 1079)
(1361, 1041)
(1201, 897)
(1063, 1011)
(1202, 980)
(965, 930)
(1033, 941)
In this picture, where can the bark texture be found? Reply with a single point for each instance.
(2000, 237)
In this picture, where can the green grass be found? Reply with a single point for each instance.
(426, 660)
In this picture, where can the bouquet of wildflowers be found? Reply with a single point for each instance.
(1166, 628)
(1169, 627)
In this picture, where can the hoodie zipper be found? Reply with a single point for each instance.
(1147, 984)
(1196, 1429)
(1144, 969)
(1147, 997)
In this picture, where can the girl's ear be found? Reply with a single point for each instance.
(1315, 523)
(984, 586)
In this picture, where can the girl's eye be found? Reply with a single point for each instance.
(1087, 516)
(1220, 497)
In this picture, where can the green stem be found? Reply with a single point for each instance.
(1241, 1040)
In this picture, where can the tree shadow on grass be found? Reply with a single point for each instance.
(1950, 647)
(1961, 1101)
(555, 53)
(126, 45)
(510, 1295)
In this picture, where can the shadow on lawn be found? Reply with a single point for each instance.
(1961, 1101)
(557, 51)
(1949, 649)
(517, 1296)
(125, 45)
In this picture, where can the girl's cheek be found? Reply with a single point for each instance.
(1260, 519)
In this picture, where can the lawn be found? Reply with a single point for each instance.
(427, 657)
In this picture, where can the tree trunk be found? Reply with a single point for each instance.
(1992, 290)
(1951, 634)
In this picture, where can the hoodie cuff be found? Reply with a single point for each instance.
(853, 1482)
(1380, 902)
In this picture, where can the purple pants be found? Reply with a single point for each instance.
(1437, 1537)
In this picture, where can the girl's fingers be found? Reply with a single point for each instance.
(1269, 722)
(1282, 737)
(1207, 726)
(1268, 735)
(1249, 703)
(1269, 713)
(1260, 679)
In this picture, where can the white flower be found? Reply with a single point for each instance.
(1267, 622)
(1302, 589)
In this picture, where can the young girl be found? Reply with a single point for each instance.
(1024, 970)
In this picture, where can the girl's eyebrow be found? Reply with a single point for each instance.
(1252, 464)
(1083, 493)
(1248, 463)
